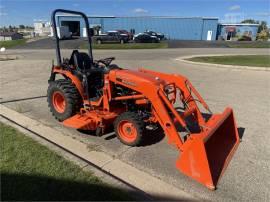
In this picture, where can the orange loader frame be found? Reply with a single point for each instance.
(203, 155)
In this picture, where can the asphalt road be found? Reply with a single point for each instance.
(247, 178)
(48, 43)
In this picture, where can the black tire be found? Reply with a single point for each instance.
(99, 41)
(72, 98)
(137, 125)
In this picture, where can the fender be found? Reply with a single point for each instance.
(74, 79)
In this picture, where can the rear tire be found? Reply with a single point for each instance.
(129, 128)
(63, 99)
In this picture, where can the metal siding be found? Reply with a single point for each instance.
(209, 24)
(95, 21)
(173, 28)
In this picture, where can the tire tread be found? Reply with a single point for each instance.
(72, 96)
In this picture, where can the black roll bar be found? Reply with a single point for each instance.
(58, 53)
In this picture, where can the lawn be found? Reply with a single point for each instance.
(30, 171)
(162, 44)
(241, 60)
(249, 44)
(13, 43)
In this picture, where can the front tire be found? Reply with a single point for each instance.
(129, 128)
(63, 99)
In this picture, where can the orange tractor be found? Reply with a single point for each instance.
(95, 94)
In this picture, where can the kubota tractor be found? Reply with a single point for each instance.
(94, 95)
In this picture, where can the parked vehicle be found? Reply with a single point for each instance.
(129, 34)
(112, 37)
(145, 38)
(158, 35)
(245, 38)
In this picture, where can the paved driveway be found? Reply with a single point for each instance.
(246, 179)
(49, 43)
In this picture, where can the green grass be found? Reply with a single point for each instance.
(13, 43)
(30, 171)
(241, 60)
(162, 44)
(253, 44)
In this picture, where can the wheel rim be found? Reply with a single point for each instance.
(127, 131)
(59, 102)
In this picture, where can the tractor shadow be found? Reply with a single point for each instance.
(241, 132)
(152, 136)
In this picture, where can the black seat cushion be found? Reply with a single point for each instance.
(81, 61)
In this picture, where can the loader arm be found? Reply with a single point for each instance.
(161, 114)
(183, 84)
(205, 154)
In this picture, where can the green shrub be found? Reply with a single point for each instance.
(263, 35)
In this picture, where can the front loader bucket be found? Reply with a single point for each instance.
(206, 155)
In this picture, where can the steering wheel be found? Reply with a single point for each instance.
(106, 61)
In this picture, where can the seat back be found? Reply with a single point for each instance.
(81, 61)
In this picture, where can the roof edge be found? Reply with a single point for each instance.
(245, 24)
(165, 17)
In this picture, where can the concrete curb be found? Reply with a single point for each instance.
(137, 178)
(184, 59)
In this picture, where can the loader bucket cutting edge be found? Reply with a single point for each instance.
(206, 155)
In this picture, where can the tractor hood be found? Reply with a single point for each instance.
(136, 78)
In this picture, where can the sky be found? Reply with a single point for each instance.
(16, 12)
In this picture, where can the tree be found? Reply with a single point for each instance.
(263, 35)
(263, 26)
(21, 26)
(28, 27)
(250, 21)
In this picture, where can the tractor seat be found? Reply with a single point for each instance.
(81, 61)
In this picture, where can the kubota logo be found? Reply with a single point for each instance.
(130, 83)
